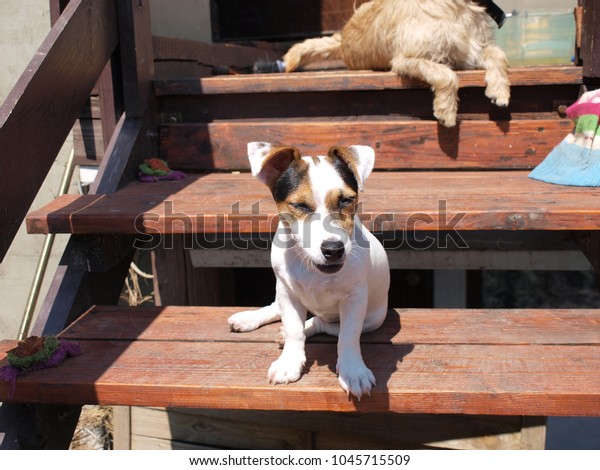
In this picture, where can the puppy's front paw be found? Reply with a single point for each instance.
(242, 322)
(355, 378)
(499, 94)
(288, 368)
(445, 112)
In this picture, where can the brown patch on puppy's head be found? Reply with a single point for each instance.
(342, 159)
(269, 163)
(286, 174)
(354, 164)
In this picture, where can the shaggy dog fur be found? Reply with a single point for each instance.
(420, 39)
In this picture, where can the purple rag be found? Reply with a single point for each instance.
(174, 175)
(65, 349)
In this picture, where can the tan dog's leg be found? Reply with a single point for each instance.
(496, 75)
(311, 50)
(443, 81)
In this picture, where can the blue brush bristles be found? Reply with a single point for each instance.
(576, 160)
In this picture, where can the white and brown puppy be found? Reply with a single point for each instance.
(325, 261)
(422, 39)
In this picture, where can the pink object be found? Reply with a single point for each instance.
(588, 103)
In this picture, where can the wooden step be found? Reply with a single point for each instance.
(536, 93)
(352, 80)
(501, 362)
(399, 144)
(414, 201)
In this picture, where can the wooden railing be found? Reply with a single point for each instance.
(40, 111)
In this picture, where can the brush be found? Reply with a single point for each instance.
(576, 160)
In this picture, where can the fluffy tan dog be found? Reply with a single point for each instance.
(421, 39)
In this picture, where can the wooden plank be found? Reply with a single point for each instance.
(399, 144)
(37, 427)
(527, 103)
(88, 141)
(323, 430)
(332, 430)
(469, 379)
(533, 434)
(121, 153)
(137, 57)
(216, 431)
(41, 109)
(506, 362)
(150, 443)
(56, 8)
(121, 421)
(404, 201)
(345, 80)
(107, 104)
(435, 253)
(402, 326)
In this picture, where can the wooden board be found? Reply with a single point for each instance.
(154, 428)
(413, 201)
(448, 372)
(399, 144)
(346, 80)
(559, 326)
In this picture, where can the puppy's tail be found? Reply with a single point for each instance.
(312, 50)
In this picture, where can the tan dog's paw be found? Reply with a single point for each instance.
(445, 102)
(445, 117)
(292, 58)
(498, 94)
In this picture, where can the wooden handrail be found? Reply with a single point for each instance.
(41, 109)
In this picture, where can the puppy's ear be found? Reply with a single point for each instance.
(268, 162)
(359, 158)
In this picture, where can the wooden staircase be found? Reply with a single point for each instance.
(469, 181)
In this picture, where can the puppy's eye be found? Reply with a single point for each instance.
(302, 207)
(346, 202)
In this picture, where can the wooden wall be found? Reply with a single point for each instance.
(159, 428)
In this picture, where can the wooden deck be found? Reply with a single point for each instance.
(501, 362)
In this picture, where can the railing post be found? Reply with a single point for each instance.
(137, 58)
(589, 50)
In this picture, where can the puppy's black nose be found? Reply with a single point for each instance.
(333, 251)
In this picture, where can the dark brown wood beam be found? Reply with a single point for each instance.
(590, 39)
